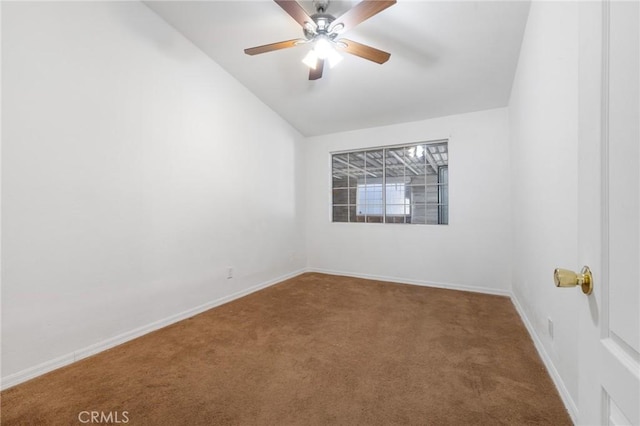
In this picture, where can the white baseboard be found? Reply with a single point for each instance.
(61, 361)
(484, 290)
(47, 366)
(569, 403)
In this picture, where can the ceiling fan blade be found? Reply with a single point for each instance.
(273, 46)
(315, 74)
(363, 51)
(296, 11)
(361, 12)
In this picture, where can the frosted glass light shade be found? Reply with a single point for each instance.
(311, 59)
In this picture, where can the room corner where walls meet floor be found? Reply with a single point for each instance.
(68, 359)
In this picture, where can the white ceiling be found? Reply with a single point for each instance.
(447, 57)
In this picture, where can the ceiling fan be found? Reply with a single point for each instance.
(323, 31)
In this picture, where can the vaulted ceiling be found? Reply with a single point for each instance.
(447, 57)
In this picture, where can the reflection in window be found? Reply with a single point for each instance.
(415, 179)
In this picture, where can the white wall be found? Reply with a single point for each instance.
(543, 129)
(472, 251)
(134, 172)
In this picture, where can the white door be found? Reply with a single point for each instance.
(609, 214)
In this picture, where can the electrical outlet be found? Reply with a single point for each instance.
(229, 273)
(550, 326)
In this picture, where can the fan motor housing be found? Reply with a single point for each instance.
(323, 22)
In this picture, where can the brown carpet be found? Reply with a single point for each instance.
(316, 349)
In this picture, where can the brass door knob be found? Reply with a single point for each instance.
(567, 278)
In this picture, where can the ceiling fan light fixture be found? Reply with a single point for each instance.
(311, 59)
(323, 47)
(322, 30)
(334, 58)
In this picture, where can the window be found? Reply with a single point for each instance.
(398, 184)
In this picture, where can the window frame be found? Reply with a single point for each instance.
(444, 169)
